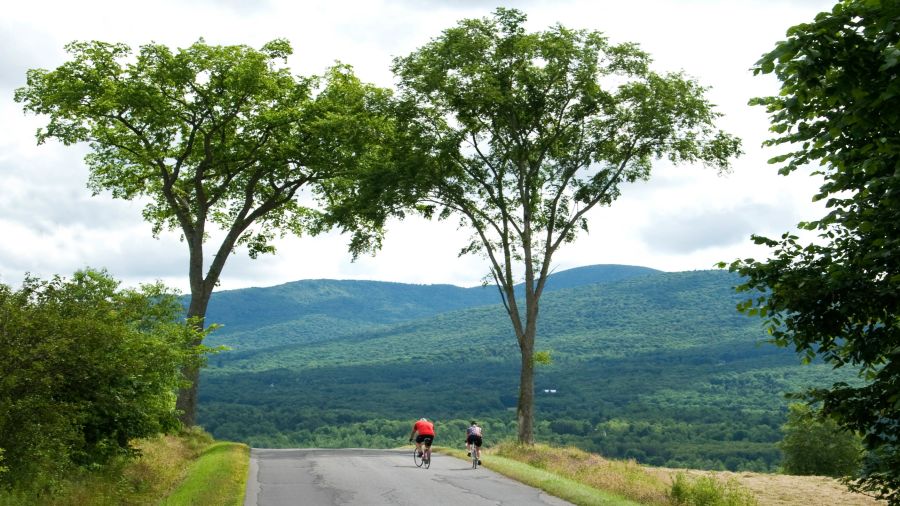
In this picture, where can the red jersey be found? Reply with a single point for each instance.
(424, 428)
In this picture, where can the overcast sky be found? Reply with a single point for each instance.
(685, 218)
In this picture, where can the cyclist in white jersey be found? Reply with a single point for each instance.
(473, 439)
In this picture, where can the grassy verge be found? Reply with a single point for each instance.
(587, 479)
(166, 464)
(550, 482)
(218, 477)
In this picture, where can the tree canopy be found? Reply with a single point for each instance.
(213, 137)
(838, 297)
(519, 135)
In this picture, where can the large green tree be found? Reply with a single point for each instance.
(212, 138)
(87, 367)
(838, 297)
(519, 135)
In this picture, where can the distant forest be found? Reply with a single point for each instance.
(654, 366)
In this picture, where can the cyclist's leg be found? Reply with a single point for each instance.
(428, 440)
(419, 448)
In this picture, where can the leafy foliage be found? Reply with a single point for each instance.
(519, 135)
(816, 446)
(839, 297)
(212, 134)
(213, 137)
(87, 367)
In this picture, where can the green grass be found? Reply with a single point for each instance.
(708, 491)
(171, 470)
(587, 479)
(218, 477)
(553, 484)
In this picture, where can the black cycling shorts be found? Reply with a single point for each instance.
(473, 439)
(424, 439)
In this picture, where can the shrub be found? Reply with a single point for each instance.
(87, 368)
(708, 491)
(813, 445)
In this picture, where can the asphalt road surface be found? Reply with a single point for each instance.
(372, 477)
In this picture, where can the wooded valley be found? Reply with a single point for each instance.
(648, 365)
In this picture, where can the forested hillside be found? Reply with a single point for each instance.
(651, 365)
(317, 310)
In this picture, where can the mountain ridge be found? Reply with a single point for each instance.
(312, 305)
(491, 319)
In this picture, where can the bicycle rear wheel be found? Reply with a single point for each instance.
(475, 456)
(418, 460)
(427, 458)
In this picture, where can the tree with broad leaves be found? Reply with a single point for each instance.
(520, 135)
(838, 298)
(214, 137)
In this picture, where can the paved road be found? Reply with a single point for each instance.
(373, 477)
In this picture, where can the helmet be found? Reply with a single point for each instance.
(423, 419)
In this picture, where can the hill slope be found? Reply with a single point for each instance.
(319, 310)
(657, 367)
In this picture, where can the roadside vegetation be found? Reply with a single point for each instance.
(217, 476)
(166, 472)
(589, 479)
(517, 466)
(632, 482)
(88, 368)
(87, 399)
(623, 477)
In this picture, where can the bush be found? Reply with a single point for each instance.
(813, 445)
(87, 368)
(708, 491)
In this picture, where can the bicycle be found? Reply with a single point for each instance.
(473, 443)
(476, 456)
(425, 459)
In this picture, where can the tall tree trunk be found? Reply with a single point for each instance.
(525, 407)
(201, 291)
(186, 402)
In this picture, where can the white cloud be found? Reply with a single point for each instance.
(690, 231)
(684, 218)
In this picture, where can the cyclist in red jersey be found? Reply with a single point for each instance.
(423, 430)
